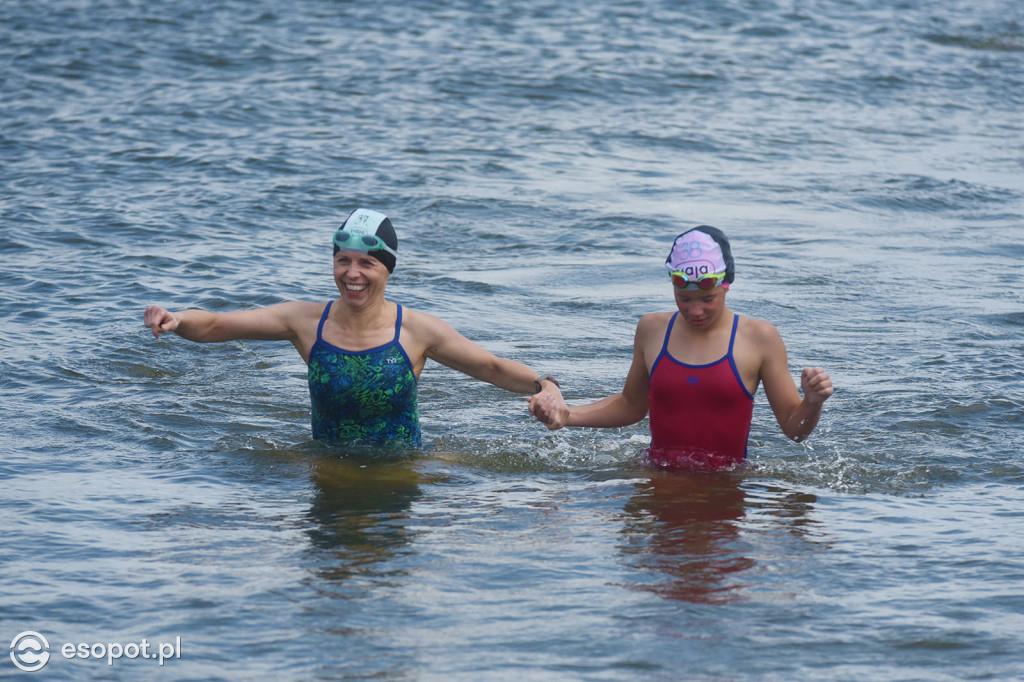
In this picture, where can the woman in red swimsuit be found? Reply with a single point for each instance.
(696, 369)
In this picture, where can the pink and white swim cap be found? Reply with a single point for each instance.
(703, 250)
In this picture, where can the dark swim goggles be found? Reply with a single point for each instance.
(344, 239)
(704, 282)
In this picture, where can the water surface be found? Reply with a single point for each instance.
(537, 159)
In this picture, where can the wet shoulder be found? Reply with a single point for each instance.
(653, 323)
(758, 334)
(755, 328)
(308, 308)
(421, 324)
(304, 314)
(422, 331)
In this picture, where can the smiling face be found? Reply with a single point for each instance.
(361, 278)
(700, 309)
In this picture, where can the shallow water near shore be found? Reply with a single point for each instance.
(537, 161)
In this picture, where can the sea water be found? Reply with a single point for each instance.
(537, 159)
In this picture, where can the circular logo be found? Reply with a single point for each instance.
(30, 651)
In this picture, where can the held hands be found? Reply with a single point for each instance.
(549, 407)
(160, 320)
(816, 385)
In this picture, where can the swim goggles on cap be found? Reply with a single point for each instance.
(344, 239)
(704, 282)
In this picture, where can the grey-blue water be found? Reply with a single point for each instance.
(537, 158)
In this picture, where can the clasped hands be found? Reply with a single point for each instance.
(549, 408)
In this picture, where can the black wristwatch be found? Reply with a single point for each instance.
(537, 388)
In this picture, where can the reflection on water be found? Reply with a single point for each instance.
(681, 529)
(698, 537)
(360, 513)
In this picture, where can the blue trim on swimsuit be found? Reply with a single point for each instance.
(363, 396)
(728, 355)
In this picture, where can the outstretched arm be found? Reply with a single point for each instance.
(273, 323)
(447, 346)
(796, 416)
(621, 409)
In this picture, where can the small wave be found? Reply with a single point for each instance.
(927, 194)
(999, 43)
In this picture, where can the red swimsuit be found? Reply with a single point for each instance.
(699, 414)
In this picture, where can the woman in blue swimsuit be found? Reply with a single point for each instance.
(364, 353)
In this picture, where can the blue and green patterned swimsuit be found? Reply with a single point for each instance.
(363, 396)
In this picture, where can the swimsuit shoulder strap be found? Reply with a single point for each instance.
(398, 322)
(732, 337)
(664, 344)
(732, 359)
(323, 318)
(668, 331)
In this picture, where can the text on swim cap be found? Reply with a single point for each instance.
(694, 271)
(689, 250)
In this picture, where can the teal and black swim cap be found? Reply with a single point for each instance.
(370, 232)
